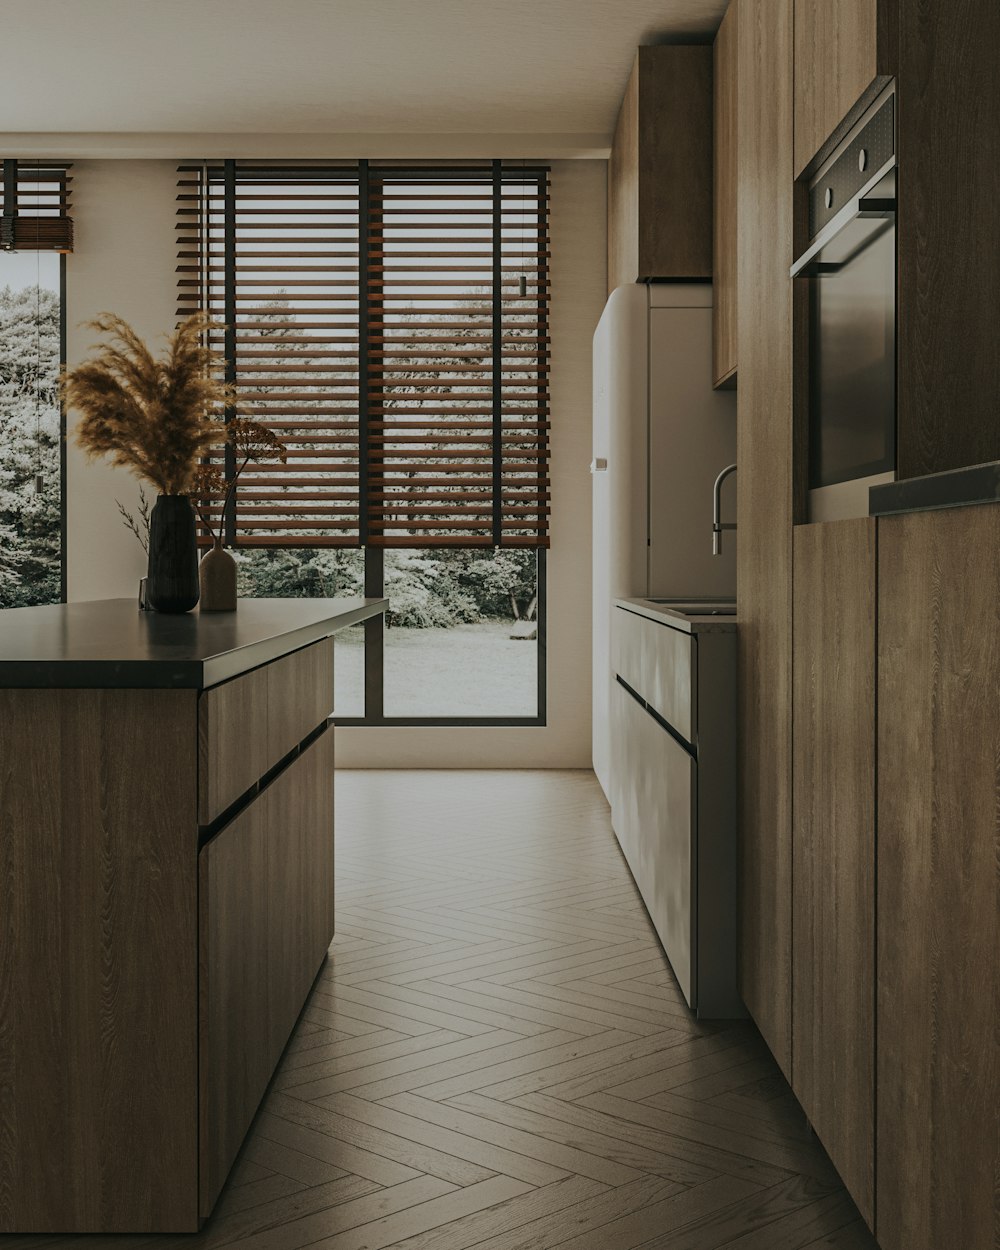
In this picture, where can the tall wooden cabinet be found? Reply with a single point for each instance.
(660, 171)
(948, 236)
(764, 513)
(939, 880)
(833, 845)
(725, 156)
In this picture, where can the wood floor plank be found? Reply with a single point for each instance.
(697, 1161)
(422, 1158)
(559, 1154)
(430, 1214)
(807, 1162)
(322, 1225)
(506, 1216)
(415, 1128)
(531, 1072)
(370, 1074)
(342, 1155)
(663, 1219)
(456, 1072)
(615, 1149)
(603, 1211)
(361, 1057)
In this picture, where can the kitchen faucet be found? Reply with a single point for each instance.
(717, 524)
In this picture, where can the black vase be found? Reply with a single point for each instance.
(172, 580)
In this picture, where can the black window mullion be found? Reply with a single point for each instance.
(374, 628)
(497, 359)
(364, 226)
(229, 314)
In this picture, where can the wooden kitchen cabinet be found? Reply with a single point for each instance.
(660, 170)
(724, 224)
(833, 844)
(235, 1060)
(764, 515)
(266, 920)
(938, 856)
(845, 53)
(153, 964)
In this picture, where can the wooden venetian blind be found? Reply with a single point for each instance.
(272, 254)
(390, 324)
(35, 207)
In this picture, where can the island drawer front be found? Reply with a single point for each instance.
(299, 697)
(658, 663)
(266, 921)
(248, 725)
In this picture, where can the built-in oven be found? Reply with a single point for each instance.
(850, 267)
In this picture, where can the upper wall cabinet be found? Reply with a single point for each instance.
(724, 229)
(660, 172)
(844, 54)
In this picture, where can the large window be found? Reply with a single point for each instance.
(34, 230)
(390, 325)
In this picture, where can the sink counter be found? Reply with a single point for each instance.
(110, 644)
(667, 615)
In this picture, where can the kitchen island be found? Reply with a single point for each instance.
(166, 895)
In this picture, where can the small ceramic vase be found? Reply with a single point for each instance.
(217, 573)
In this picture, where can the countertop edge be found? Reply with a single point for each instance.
(178, 673)
(677, 620)
(221, 668)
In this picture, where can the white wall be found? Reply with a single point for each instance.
(125, 263)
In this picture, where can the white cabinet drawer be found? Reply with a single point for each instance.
(653, 814)
(659, 664)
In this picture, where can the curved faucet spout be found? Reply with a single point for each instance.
(717, 523)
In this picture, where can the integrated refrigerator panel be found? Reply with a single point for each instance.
(692, 437)
(619, 474)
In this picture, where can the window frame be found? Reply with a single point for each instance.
(374, 661)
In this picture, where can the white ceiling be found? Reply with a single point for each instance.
(123, 73)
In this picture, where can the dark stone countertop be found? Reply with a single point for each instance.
(109, 643)
(956, 488)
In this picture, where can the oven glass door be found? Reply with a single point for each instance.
(852, 366)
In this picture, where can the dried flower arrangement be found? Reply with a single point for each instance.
(156, 417)
(251, 442)
(137, 524)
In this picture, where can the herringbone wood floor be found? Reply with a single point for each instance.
(497, 1056)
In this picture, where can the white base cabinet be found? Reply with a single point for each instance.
(673, 791)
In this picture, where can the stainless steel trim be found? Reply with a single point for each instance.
(864, 206)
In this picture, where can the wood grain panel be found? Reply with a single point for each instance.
(236, 1059)
(939, 879)
(833, 844)
(98, 970)
(299, 819)
(948, 237)
(764, 513)
(232, 741)
(675, 162)
(724, 231)
(299, 697)
(623, 189)
(660, 169)
(840, 63)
